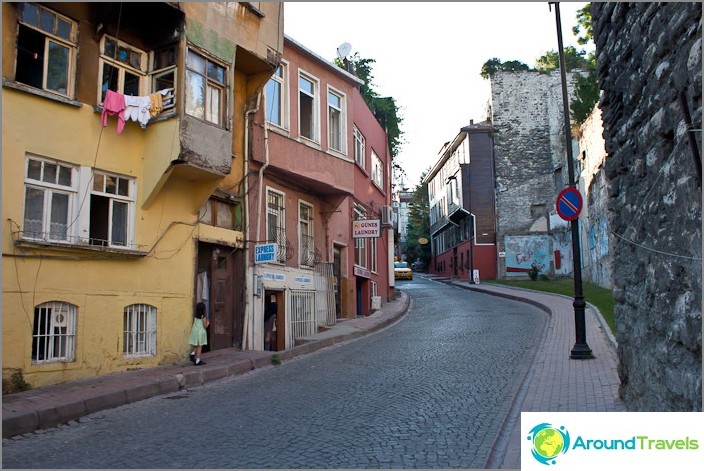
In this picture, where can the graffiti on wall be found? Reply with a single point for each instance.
(522, 252)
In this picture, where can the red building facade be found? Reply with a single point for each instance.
(312, 143)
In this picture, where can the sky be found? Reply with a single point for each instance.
(429, 55)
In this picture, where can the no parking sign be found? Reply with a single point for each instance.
(569, 204)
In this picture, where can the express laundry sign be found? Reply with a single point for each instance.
(366, 228)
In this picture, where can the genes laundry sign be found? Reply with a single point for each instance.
(366, 228)
(611, 440)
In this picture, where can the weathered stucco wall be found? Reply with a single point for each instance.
(647, 54)
(595, 236)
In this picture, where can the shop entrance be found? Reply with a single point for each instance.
(274, 303)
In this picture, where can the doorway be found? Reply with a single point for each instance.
(274, 301)
(216, 287)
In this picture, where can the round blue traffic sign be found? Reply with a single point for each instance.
(569, 204)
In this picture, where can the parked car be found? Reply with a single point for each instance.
(402, 271)
(418, 265)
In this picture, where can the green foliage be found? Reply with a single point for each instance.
(384, 108)
(574, 59)
(533, 272)
(276, 359)
(584, 22)
(586, 96)
(600, 297)
(494, 65)
(419, 224)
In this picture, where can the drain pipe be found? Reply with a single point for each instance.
(250, 284)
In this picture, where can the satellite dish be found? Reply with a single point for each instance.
(343, 50)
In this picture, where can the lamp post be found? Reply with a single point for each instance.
(581, 350)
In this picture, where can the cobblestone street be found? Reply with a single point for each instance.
(431, 391)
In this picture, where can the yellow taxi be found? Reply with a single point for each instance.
(402, 271)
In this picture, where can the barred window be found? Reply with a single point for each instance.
(139, 330)
(54, 333)
(275, 223)
(307, 241)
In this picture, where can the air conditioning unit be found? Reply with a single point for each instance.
(387, 216)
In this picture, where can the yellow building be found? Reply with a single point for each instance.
(112, 229)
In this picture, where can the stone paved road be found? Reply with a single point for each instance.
(429, 392)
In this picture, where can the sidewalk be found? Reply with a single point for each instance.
(50, 406)
(556, 383)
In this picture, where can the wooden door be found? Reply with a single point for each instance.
(222, 298)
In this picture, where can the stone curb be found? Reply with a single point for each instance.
(54, 414)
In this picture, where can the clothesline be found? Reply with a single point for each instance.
(136, 108)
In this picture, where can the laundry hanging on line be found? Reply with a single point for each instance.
(136, 108)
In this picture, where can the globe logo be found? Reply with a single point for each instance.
(548, 442)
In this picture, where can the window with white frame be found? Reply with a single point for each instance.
(139, 330)
(123, 68)
(163, 74)
(46, 50)
(374, 288)
(205, 88)
(276, 97)
(359, 147)
(308, 107)
(360, 243)
(377, 171)
(111, 210)
(49, 195)
(307, 241)
(54, 333)
(336, 121)
(276, 223)
(372, 254)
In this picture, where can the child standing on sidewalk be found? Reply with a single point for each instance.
(198, 336)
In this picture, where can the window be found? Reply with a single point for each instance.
(122, 68)
(139, 330)
(276, 98)
(54, 333)
(360, 243)
(359, 145)
(163, 74)
(373, 254)
(205, 89)
(222, 214)
(377, 171)
(46, 50)
(111, 209)
(275, 223)
(49, 195)
(307, 242)
(336, 121)
(307, 107)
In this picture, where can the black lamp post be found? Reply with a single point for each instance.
(581, 350)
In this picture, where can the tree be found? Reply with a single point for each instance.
(419, 224)
(574, 59)
(584, 22)
(384, 108)
(494, 65)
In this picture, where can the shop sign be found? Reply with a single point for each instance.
(366, 228)
(363, 272)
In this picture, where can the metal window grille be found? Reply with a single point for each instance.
(302, 314)
(276, 229)
(139, 332)
(325, 294)
(54, 333)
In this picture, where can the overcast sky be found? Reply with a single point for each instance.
(429, 55)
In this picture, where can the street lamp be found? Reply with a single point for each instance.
(581, 350)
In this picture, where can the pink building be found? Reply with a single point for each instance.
(317, 160)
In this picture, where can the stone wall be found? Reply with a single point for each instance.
(529, 150)
(647, 54)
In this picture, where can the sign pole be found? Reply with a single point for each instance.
(581, 350)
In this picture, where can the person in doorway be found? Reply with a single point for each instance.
(269, 318)
(198, 336)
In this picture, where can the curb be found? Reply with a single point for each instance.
(53, 414)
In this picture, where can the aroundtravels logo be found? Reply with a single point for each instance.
(548, 442)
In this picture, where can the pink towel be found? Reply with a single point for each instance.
(114, 103)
